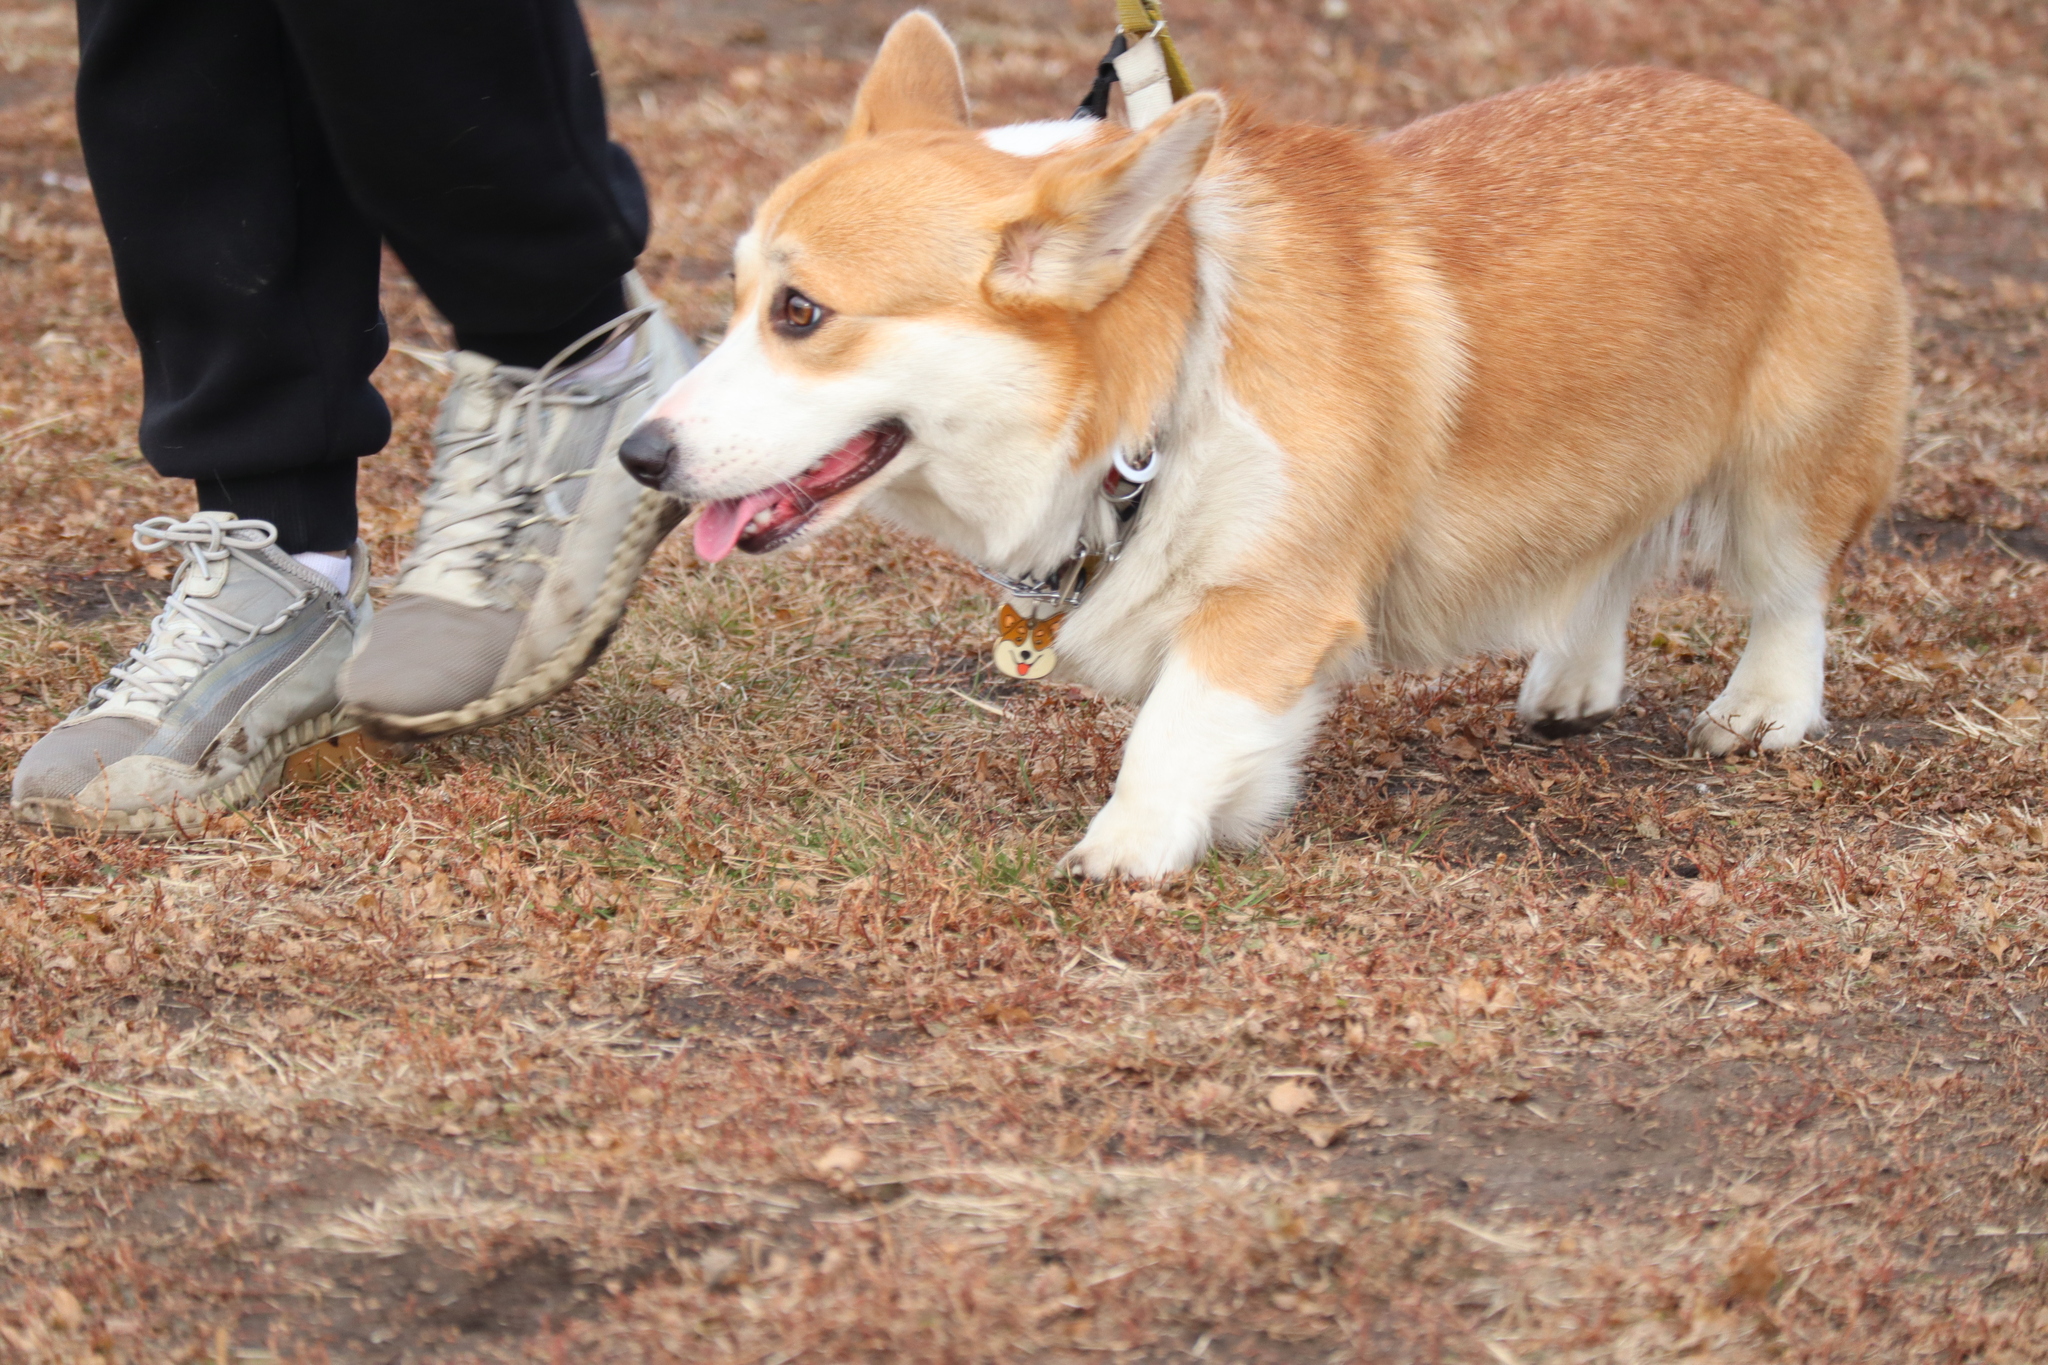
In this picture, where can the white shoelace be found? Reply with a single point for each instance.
(190, 633)
(486, 487)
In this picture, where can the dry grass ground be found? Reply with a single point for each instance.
(728, 1010)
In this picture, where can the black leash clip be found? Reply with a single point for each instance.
(1096, 106)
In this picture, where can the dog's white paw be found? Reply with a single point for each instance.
(1569, 694)
(1124, 841)
(1769, 718)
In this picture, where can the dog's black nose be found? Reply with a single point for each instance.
(646, 452)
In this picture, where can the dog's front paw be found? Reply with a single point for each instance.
(1123, 841)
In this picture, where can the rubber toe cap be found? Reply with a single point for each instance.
(60, 764)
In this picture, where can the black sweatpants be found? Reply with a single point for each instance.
(249, 156)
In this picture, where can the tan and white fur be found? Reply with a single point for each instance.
(1463, 387)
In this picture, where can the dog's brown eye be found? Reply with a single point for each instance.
(798, 316)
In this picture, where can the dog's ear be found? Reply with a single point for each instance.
(914, 83)
(1074, 236)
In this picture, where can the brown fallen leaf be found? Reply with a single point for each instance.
(720, 1267)
(66, 1313)
(1747, 1196)
(1752, 1271)
(599, 1007)
(1704, 893)
(1204, 1097)
(1320, 1132)
(841, 1158)
(1468, 995)
(1290, 1097)
(341, 753)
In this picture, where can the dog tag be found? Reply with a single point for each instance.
(1024, 646)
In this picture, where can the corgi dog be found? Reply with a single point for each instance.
(1462, 387)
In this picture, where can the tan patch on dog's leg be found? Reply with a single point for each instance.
(1266, 645)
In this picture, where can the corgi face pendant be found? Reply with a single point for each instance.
(1024, 649)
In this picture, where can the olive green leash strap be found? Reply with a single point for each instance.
(1140, 17)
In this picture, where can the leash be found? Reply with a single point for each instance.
(1144, 61)
(1150, 69)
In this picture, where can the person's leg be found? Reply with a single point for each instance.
(246, 271)
(251, 284)
(472, 132)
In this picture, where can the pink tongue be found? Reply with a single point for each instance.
(720, 525)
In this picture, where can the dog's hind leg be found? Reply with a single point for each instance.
(1782, 549)
(1816, 447)
(1778, 555)
(1576, 683)
(1774, 697)
(1790, 524)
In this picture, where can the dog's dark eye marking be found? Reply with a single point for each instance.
(796, 315)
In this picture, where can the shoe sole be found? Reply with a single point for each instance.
(652, 520)
(263, 774)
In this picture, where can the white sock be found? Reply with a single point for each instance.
(334, 568)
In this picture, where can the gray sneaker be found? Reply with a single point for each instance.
(530, 540)
(237, 674)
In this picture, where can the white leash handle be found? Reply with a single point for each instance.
(1148, 89)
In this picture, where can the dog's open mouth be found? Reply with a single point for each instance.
(759, 522)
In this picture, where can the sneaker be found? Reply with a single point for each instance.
(237, 674)
(531, 535)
